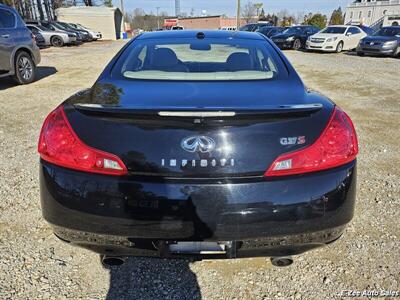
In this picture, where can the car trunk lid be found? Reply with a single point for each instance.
(197, 131)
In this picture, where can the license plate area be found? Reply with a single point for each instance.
(202, 248)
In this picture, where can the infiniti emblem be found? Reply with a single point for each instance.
(199, 143)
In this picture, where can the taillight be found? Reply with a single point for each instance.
(59, 145)
(336, 146)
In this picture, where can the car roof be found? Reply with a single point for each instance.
(222, 34)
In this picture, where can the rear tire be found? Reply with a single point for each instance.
(297, 45)
(339, 47)
(57, 41)
(25, 69)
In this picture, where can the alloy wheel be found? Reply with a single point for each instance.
(339, 47)
(297, 44)
(57, 42)
(25, 68)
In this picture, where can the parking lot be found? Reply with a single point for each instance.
(35, 265)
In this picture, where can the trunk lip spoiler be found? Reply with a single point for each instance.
(200, 112)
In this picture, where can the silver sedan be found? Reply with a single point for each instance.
(53, 38)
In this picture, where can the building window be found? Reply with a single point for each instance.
(384, 12)
(351, 15)
(360, 15)
(369, 14)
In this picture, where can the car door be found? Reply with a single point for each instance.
(7, 26)
(353, 38)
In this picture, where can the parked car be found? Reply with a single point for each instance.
(253, 26)
(229, 154)
(336, 39)
(57, 28)
(385, 42)
(19, 54)
(270, 31)
(294, 37)
(177, 28)
(96, 35)
(53, 38)
(229, 28)
(86, 37)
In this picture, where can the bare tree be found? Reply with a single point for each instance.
(138, 12)
(283, 14)
(248, 11)
(299, 18)
(40, 9)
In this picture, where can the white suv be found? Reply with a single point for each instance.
(336, 39)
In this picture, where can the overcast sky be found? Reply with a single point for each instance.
(214, 7)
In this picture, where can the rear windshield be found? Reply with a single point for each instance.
(334, 30)
(196, 59)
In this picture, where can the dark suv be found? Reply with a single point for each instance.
(19, 54)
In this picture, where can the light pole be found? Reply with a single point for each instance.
(238, 23)
(158, 19)
(121, 3)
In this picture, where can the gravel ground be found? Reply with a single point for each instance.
(34, 265)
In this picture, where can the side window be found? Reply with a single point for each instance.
(7, 19)
(354, 30)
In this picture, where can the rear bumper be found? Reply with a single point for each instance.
(130, 216)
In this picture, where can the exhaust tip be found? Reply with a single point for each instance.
(281, 261)
(112, 261)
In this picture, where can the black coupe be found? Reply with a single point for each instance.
(201, 144)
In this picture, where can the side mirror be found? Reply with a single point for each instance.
(348, 34)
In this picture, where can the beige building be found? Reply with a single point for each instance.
(104, 19)
(374, 13)
(206, 22)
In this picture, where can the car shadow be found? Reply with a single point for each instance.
(350, 53)
(153, 278)
(376, 56)
(41, 73)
